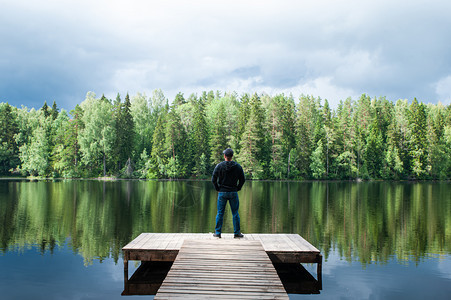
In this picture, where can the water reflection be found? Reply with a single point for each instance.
(297, 280)
(368, 222)
(148, 278)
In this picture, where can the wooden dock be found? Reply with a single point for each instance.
(227, 269)
(198, 258)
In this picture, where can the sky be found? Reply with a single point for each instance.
(58, 50)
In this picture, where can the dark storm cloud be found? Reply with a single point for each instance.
(60, 50)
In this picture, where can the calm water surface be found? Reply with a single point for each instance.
(63, 239)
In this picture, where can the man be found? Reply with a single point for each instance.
(228, 178)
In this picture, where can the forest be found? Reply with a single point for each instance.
(274, 137)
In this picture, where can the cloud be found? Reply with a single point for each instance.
(443, 90)
(444, 265)
(59, 50)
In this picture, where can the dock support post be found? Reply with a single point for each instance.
(319, 271)
(126, 256)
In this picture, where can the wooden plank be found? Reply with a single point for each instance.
(223, 293)
(167, 239)
(304, 245)
(176, 242)
(223, 269)
(293, 257)
(290, 243)
(159, 240)
(222, 296)
(149, 255)
(135, 241)
(140, 244)
(278, 246)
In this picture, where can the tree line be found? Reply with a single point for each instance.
(274, 137)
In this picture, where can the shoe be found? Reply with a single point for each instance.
(218, 235)
(238, 235)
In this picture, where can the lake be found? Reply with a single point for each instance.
(379, 240)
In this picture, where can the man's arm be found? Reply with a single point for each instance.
(241, 178)
(214, 178)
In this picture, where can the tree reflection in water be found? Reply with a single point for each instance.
(368, 222)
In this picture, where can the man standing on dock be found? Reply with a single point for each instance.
(228, 178)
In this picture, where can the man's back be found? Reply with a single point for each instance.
(228, 176)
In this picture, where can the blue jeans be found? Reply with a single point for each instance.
(232, 197)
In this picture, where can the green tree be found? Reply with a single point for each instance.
(271, 137)
(398, 134)
(374, 151)
(392, 164)
(218, 130)
(179, 100)
(280, 118)
(63, 155)
(35, 154)
(54, 112)
(158, 147)
(9, 158)
(345, 165)
(363, 117)
(175, 143)
(124, 130)
(200, 138)
(252, 140)
(317, 161)
(243, 115)
(46, 110)
(145, 115)
(98, 136)
(143, 130)
(438, 158)
(418, 142)
(308, 131)
(329, 134)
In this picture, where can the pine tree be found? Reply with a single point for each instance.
(345, 165)
(62, 154)
(280, 117)
(362, 119)
(143, 123)
(243, 114)
(329, 136)
(179, 100)
(252, 140)
(398, 134)
(8, 147)
(199, 138)
(117, 120)
(392, 164)
(418, 142)
(317, 161)
(175, 142)
(218, 133)
(438, 159)
(374, 151)
(54, 112)
(158, 155)
(45, 109)
(75, 128)
(126, 132)
(308, 126)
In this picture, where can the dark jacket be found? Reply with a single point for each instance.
(228, 176)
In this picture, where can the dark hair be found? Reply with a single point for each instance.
(228, 152)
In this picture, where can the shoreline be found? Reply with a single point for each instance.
(110, 178)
